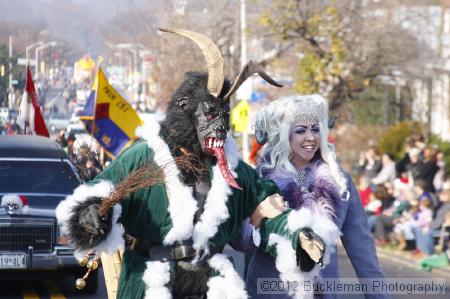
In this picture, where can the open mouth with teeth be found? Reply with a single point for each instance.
(215, 146)
(308, 147)
(212, 142)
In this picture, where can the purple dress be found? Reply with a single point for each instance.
(348, 216)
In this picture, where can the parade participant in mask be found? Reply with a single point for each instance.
(299, 158)
(181, 193)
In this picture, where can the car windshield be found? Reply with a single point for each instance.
(25, 177)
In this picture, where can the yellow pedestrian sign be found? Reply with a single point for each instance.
(240, 116)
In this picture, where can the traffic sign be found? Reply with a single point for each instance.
(239, 117)
(23, 61)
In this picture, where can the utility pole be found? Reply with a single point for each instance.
(245, 151)
(10, 63)
(11, 98)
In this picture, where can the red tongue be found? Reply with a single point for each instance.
(223, 166)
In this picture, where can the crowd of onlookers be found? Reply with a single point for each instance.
(9, 127)
(407, 201)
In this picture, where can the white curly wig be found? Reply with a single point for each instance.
(277, 119)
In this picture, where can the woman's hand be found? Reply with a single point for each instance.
(270, 207)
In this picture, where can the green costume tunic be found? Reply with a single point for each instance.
(145, 213)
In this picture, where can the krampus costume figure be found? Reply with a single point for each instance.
(186, 198)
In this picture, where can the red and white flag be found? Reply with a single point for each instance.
(30, 117)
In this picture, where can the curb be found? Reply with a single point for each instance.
(408, 262)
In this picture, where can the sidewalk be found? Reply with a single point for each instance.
(407, 259)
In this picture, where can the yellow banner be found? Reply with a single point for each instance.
(120, 112)
(239, 116)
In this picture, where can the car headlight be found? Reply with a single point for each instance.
(61, 239)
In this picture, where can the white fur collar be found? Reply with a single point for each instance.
(182, 205)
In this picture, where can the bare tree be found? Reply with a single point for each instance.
(340, 46)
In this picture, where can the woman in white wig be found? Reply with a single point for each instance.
(299, 158)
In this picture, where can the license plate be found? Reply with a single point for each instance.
(12, 261)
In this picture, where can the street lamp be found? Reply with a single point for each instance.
(28, 48)
(46, 45)
(131, 48)
(121, 56)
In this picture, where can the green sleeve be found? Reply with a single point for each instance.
(277, 225)
(254, 188)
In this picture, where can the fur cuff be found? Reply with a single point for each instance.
(64, 214)
(320, 223)
(286, 264)
(228, 285)
(156, 276)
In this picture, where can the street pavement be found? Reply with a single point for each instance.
(393, 267)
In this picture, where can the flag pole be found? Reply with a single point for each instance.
(25, 90)
(95, 101)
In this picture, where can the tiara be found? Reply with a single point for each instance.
(309, 112)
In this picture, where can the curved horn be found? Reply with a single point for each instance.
(249, 69)
(212, 54)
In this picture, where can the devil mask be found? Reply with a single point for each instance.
(197, 116)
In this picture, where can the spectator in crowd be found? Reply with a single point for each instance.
(422, 233)
(364, 190)
(370, 163)
(380, 199)
(385, 221)
(443, 208)
(428, 169)
(415, 167)
(61, 138)
(402, 165)
(402, 184)
(2, 129)
(422, 194)
(439, 177)
(404, 227)
(419, 142)
(12, 128)
(374, 205)
(70, 147)
(387, 172)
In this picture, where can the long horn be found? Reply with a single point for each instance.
(212, 54)
(249, 69)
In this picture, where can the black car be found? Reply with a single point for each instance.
(35, 175)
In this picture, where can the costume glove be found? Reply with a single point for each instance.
(92, 228)
(311, 250)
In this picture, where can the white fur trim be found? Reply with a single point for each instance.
(156, 276)
(286, 263)
(64, 211)
(216, 211)
(228, 285)
(320, 223)
(182, 204)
